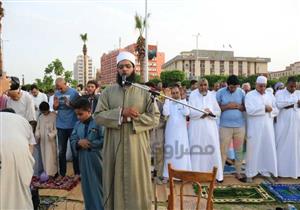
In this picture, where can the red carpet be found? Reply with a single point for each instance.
(67, 183)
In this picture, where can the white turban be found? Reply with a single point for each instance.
(126, 56)
(261, 80)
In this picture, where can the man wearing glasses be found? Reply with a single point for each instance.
(127, 113)
(261, 150)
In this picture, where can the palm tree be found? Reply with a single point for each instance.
(84, 50)
(140, 43)
(1, 16)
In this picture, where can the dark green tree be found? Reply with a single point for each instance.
(155, 80)
(171, 77)
(53, 70)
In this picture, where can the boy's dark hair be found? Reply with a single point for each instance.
(80, 86)
(15, 83)
(291, 79)
(175, 86)
(82, 103)
(233, 80)
(193, 82)
(33, 86)
(8, 110)
(94, 82)
(150, 84)
(44, 106)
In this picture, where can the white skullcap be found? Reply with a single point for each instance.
(126, 56)
(261, 80)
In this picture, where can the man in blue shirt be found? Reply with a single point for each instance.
(232, 122)
(65, 121)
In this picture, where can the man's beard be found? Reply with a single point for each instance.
(204, 93)
(128, 79)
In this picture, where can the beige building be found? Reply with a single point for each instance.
(197, 63)
(78, 69)
(291, 70)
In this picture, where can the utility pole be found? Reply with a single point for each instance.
(120, 40)
(196, 54)
(146, 44)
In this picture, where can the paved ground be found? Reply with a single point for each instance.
(75, 200)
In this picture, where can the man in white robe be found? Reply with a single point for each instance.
(37, 98)
(261, 151)
(287, 130)
(203, 131)
(176, 134)
(16, 162)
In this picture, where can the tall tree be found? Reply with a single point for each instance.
(84, 50)
(52, 71)
(140, 24)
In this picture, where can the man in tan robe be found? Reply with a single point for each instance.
(127, 113)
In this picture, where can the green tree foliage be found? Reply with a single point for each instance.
(53, 70)
(155, 80)
(212, 79)
(137, 78)
(171, 77)
(186, 83)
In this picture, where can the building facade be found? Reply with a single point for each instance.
(197, 63)
(109, 65)
(291, 70)
(78, 70)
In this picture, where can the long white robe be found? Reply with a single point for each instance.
(261, 150)
(204, 134)
(288, 134)
(46, 132)
(176, 137)
(16, 162)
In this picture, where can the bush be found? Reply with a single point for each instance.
(171, 77)
(155, 80)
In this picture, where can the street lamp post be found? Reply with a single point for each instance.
(146, 44)
(196, 54)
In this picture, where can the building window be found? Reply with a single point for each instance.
(222, 68)
(202, 68)
(240, 67)
(230, 67)
(212, 67)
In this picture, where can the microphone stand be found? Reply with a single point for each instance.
(156, 93)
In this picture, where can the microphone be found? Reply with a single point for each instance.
(123, 80)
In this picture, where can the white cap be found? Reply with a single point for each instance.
(261, 80)
(126, 56)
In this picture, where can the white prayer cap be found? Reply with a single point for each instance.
(261, 80)
(126, 56)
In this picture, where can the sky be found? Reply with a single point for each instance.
(37, 32)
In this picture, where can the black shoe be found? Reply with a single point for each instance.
(219, 181)
(242, 179)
